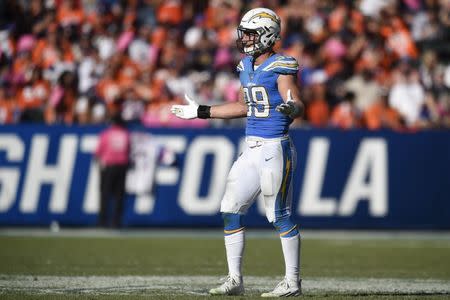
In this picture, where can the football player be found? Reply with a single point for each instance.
(269, 98)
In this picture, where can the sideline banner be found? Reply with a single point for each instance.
(344, 179)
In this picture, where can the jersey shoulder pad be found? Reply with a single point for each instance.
(283, 65)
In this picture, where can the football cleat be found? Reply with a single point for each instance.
(231, 287)
(286, 288)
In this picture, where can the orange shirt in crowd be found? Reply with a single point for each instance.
(402, 44)
(225, 36)
(170, 11)
(69, 16)
(379, 116)
(211, 12)
(48, 52)
(318, 113)
(337, 18)
(128, 73)
(344, 116)
(159, 36)
(357, 21)
(333, 67)
(400, 41)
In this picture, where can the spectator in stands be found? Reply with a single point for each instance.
(32, 97)
(91, 68)
(407, 95)
(109, 90)
(112, 154)
(379, 115)
(61, 107)
(317, 107)
(365, 88)
(346, 115)
(109, 46)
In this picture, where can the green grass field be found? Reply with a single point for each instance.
(185, 266)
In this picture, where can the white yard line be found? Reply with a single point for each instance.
(199, 285)
(218, 233)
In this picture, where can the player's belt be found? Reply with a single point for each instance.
(256, 141)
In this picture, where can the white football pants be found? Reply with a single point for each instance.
(266, 166)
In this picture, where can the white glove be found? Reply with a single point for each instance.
(289, 108)
(186, 112)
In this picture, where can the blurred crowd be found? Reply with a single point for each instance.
(364, 64)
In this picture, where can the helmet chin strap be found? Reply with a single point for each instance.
(259, 53)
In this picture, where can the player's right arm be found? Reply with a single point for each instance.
(223, 111)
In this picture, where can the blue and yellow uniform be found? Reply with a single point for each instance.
(267, 163)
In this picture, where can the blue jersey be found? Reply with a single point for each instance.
(262, 96)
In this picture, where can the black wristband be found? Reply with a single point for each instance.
(204, 112)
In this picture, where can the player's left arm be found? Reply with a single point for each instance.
(288, 89)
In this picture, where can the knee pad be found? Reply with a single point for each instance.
(285, 227)
(267, 188)
(232, 223)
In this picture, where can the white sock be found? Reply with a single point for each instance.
(291, 252)
(234, 245)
